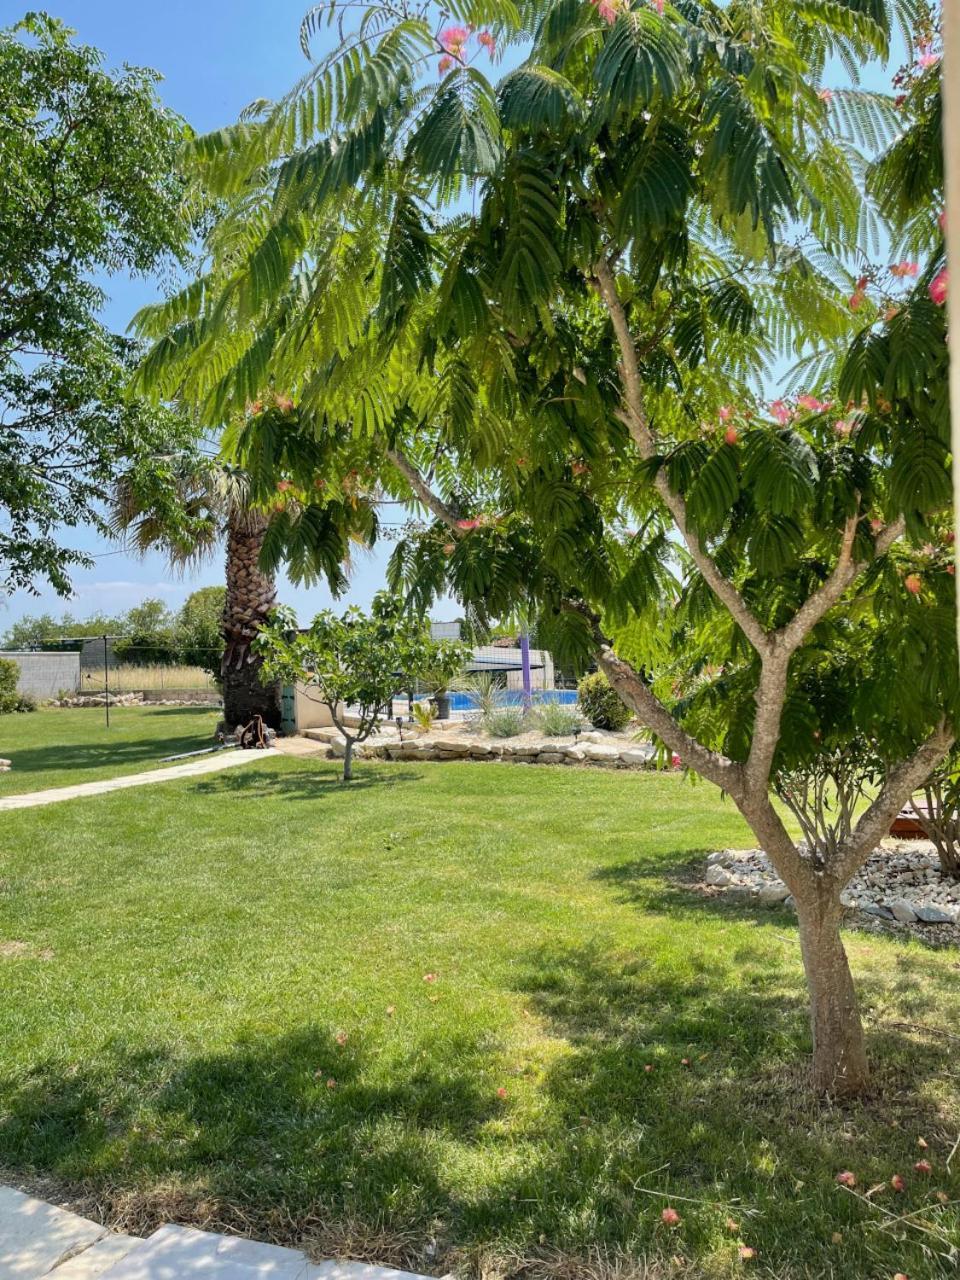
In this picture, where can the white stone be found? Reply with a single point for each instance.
(600, 754)
(718, 876)
(100, 1257)
(773, 892)
(720, 858)
(931, 913)
(35, 1236)
(635, 757)
(902, 911)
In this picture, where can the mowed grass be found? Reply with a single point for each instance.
(438, 1018)
(60, 746)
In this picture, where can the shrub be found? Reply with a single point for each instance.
(601, 704)
(10, 700)
(557, 720)
(424, 714)
(504, 722)
(483, 689)
(9, 675)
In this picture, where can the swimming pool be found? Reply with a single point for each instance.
(462, 701)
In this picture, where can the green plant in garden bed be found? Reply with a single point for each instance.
(601, 703)
(557, 720)
(504, 722)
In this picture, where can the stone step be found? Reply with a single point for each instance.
(174, 1251)
(36, 1236)
(100, 1257)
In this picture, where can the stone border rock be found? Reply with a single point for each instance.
(595, 748)
(899, 886)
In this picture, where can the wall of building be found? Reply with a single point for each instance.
(44, 674)
(309, 712)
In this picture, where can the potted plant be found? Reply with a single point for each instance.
(438, 678)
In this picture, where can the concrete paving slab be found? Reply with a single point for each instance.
(192, 769)
(177, 1253)
(35, 1236)
(98, 1258)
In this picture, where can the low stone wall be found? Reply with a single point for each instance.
(595, 748)
(150, 697)
(183, 697)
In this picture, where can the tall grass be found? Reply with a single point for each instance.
(131, 678)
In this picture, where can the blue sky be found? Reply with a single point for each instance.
(215, 56)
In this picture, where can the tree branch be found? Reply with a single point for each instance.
(717, 768)
(845, 572)
(900, 785)
(442, 510)
(635, 420)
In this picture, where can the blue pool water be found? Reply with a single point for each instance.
(460, 701)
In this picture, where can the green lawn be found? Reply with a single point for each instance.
(216, 1009)
(57, 747)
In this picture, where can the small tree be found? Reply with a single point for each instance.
(940, 815)
(356, 660)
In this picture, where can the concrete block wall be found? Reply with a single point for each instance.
(45, 674)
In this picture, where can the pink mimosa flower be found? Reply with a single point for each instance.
(488, 42)
(444, 65)
(607, 11)
(468, 524)
(453, 40)
(658, 5)
(938, 288)
(781, 411)
(901, 269)
(928, 60)
(812, 404)
(825, 95)
(725, 413)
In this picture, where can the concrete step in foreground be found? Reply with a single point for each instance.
(38, 1239)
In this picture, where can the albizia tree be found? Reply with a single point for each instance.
(572, 278)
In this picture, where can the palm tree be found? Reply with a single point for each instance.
(213, 506)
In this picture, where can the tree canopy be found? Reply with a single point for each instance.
(89, 184)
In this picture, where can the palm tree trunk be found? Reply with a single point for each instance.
(251, 595)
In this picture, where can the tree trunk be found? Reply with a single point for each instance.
(348, 760)
(250, 597)
(949, 855)
(839, 1049)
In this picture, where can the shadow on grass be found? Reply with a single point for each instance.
(411, 1145)
(308, 783)
(82, 756)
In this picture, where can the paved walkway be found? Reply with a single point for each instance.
(38, 1239)
(189, 769)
